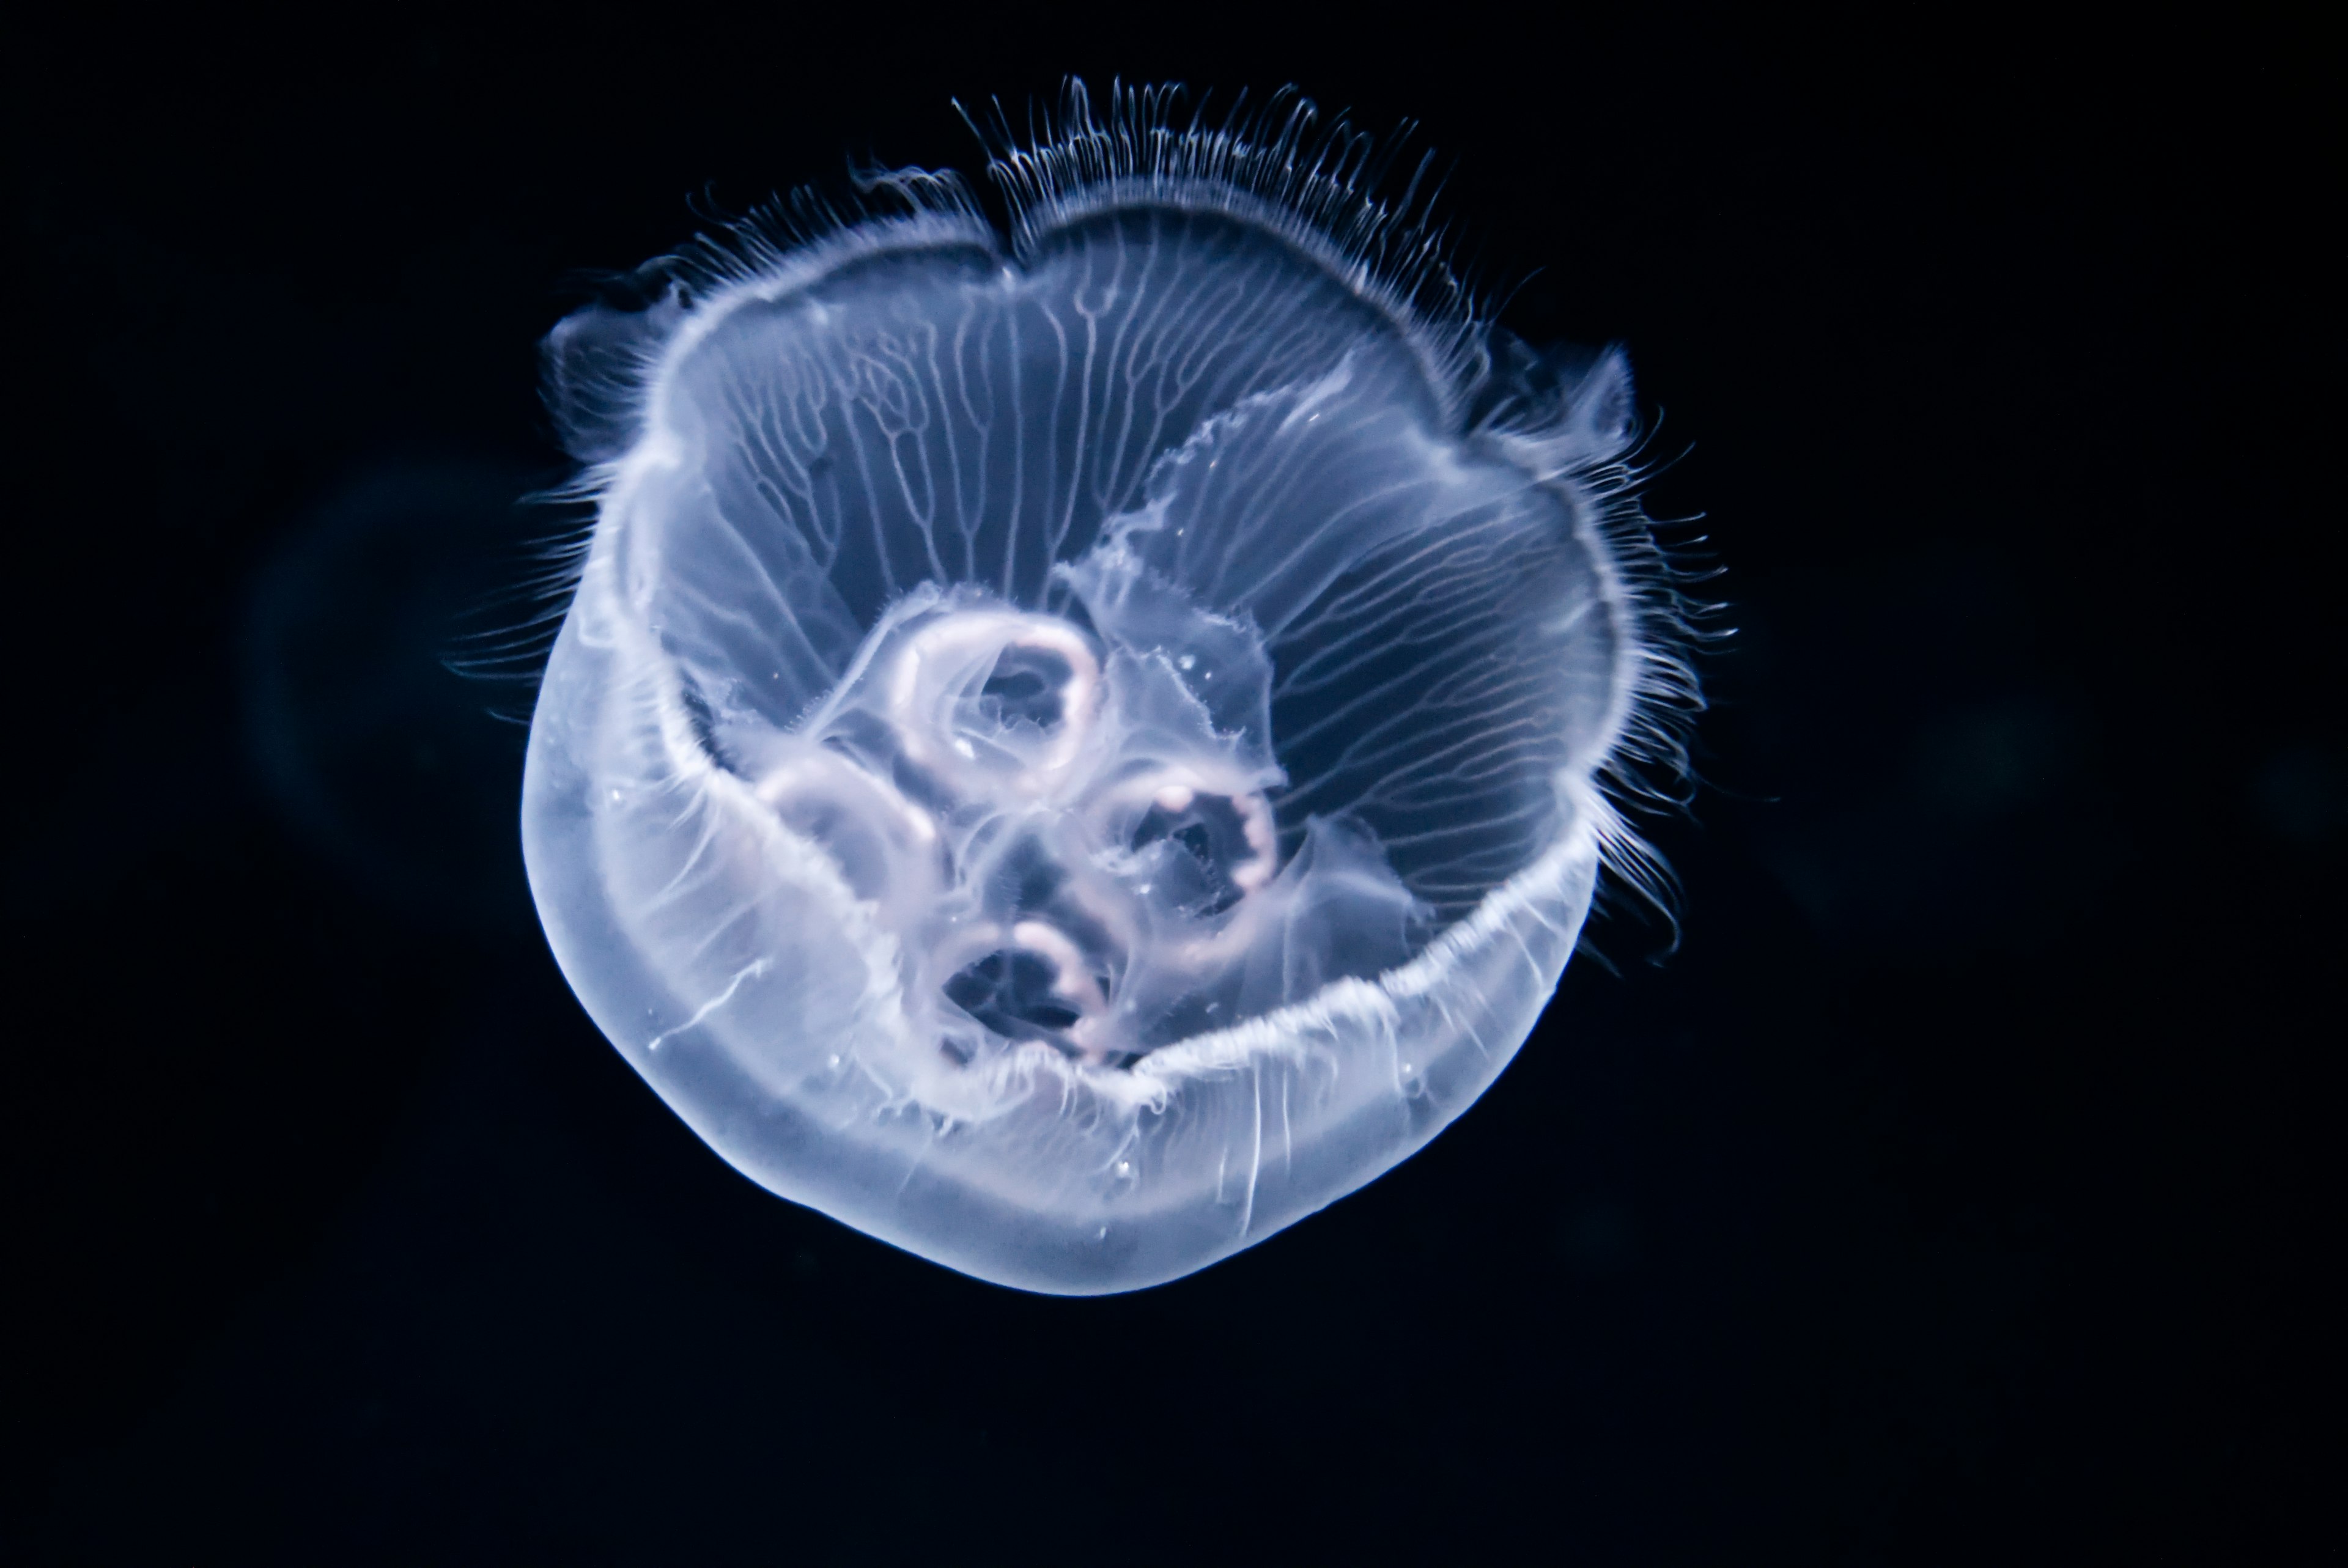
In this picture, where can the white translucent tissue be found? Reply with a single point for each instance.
(1068, 756)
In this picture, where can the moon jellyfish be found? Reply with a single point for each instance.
(1072, 750)
(381, 757)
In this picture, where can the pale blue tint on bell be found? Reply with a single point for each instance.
(1071, 752)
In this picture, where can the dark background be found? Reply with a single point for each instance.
(1943, 1197)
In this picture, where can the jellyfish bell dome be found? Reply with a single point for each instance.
(1070, 752)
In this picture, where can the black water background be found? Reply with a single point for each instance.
(1945, 1197)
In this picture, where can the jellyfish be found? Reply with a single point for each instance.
(374, 750)
(1077, 744)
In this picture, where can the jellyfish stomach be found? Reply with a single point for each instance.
(1065, 851)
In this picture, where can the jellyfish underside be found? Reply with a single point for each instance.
(1070, 759)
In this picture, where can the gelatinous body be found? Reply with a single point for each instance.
(1068, 755)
